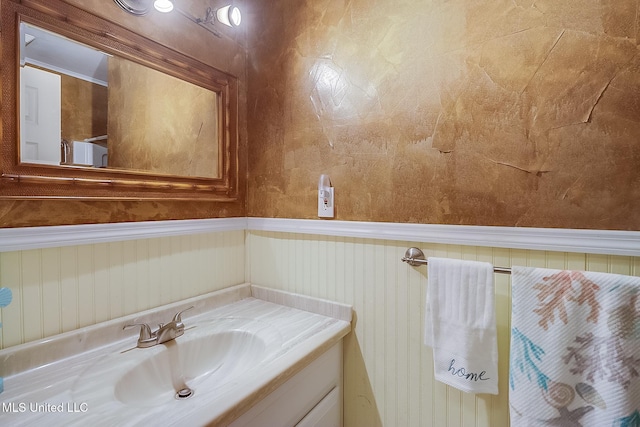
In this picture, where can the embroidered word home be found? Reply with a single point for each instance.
(462, 373)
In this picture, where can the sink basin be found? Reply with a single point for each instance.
(185, 364)
(207, 357)
(233, 356)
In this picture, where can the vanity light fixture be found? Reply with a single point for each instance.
(134, 7)
(228, 15)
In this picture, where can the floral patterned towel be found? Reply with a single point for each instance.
(575, 349)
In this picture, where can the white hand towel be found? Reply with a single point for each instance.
(460, 324)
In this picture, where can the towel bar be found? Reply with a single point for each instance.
(415, 257)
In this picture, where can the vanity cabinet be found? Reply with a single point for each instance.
(312, 397)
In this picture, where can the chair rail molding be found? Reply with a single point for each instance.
(15, 239)
(608, 242)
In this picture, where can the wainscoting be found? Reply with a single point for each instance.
(388, 371)
(64, 278)
(58, 289)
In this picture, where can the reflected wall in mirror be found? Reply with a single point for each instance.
(106, 108)
(105, 111)
(154, 109)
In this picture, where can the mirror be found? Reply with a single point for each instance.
(105, 111)
(100, 106)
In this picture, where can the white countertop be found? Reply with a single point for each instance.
(57, 381)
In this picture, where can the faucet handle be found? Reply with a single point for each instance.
(178, 317)
(145, 330)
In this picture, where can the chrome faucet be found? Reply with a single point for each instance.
(166, 332)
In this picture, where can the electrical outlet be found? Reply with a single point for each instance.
(326, 199)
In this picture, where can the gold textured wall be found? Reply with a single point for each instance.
(388, 371)
(57, 290)
(509, 112)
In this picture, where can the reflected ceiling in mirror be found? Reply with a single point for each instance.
(138, 121)
(105, 111)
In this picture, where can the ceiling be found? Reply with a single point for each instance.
(57, 53)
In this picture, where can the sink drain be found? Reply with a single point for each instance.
(184, 393)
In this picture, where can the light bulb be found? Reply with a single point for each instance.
(164, 6)
(235, 16)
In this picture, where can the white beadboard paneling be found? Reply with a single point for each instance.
(31, 267)
(130, 267)
(116, 279)
(154, 272)
(389, 374)
(51, 292)
(190, 260)
(100, 282)
(86, 294)
(163, 286)
(69, 288)
(68, 281)
(140, 276)
(63, 288)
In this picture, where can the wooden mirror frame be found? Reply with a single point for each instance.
(36, 181)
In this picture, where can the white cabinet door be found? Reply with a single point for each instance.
(327, 413)
(295, 401)
(40, 116)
